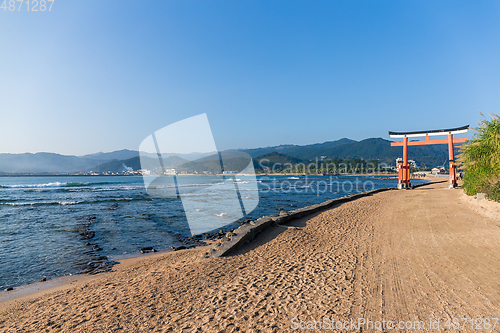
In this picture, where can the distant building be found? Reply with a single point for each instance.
(438, 170)
(412, 163)
(170, 172)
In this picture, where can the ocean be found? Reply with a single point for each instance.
(52, 226)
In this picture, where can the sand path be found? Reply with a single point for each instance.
(398, 255)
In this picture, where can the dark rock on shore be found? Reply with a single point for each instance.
(177, 248)
(215, 236)
(196, 240)
(199, 240)
(212, 236)
(96, 248)
(87, 220)
(147, 249)
(87, 234)
(99, 265)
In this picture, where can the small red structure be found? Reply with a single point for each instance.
(404, 167)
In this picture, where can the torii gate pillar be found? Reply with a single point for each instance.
(404, 167)
(453, 165)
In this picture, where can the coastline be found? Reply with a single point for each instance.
(347, 260)
(83, 222)
(221, 248)
(39, 288)
(198, 174)
(63, 282)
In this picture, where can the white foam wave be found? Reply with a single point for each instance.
(55, 184)
(38, 203)
(64, 203)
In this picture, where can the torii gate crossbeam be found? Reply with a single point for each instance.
(404, 168)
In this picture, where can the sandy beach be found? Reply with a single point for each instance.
(419, 255)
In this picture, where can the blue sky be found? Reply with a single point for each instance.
(94, 76)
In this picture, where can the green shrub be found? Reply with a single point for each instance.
(480, 158)
(494, 192)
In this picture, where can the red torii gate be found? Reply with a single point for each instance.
(404, 168)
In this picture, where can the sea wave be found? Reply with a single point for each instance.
(156, 187)
(41, 203)
(88, 184)
(66, 202)
(55, 185)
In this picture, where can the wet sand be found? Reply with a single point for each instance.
(422, 254)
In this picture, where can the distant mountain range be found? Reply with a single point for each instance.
(123, 160)
(368, 149)
(301, 152)
(44, 162)
(123, 154)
